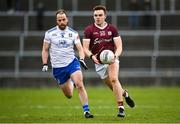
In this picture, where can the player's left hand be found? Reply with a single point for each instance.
(83, 64)
(115, 57)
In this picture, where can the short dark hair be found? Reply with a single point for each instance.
(100, 7)
(61, 11)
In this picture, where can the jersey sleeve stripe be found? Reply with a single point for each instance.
(52, 29)
(116, 37)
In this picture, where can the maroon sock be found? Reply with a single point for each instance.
(120, 103)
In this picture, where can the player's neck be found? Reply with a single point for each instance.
(101, 26)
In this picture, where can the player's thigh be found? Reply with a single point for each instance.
(107, 82)
(113, 70)
(77, 77)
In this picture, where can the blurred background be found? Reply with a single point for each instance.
(150, 30)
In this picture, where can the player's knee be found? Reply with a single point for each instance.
(113, 80)
(79, 86)
(69, 96)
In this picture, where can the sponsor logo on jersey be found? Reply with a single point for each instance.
(97, 40)
(63, 44)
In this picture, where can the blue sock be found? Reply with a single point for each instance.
(86, 108)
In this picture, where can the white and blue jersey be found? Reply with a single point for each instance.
(62, 54)
(61, 45)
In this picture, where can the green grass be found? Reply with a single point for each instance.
(153, 105)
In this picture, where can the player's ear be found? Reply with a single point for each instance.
(105, 16)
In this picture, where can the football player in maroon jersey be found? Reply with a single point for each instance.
(99, 36)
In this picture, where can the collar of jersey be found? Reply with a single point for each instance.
(101, 27)
(62, 30)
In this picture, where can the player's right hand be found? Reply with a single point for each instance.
(45, 68)
(95, 60)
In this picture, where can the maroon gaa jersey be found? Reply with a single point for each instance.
(101, 39)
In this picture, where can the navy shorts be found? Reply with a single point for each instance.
(62, 74)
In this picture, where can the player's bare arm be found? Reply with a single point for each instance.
(86, 47)
(81, 55)
(88, 53)
(45, 52)
(80, 50)
(118, 45)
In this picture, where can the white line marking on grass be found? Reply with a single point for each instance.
(96, 107)
(64, 107)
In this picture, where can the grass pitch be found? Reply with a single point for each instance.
(153, 105)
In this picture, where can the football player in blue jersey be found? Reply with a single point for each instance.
(59, 42)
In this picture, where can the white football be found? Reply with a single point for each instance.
(106, 56)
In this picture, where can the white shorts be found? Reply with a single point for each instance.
(102, 69)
